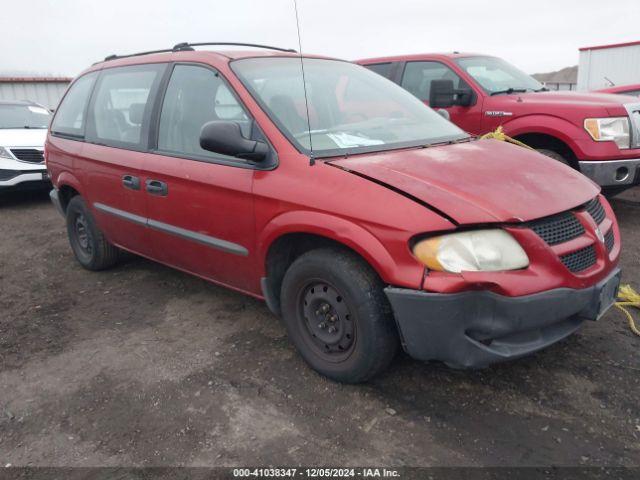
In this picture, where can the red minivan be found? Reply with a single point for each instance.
(361, 216)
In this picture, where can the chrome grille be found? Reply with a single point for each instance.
(580, 259)
(634, 117)
(595, 209)
(609, 240)
(558, 228)
(30, 155)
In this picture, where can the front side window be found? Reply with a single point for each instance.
(496, 76)
(196, 95)
(120, 104)
(417, 78)
(23, 116)
(351, 109)
(70, 115)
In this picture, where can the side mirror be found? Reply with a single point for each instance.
(442, 94)
(466, 97)
(225, 137)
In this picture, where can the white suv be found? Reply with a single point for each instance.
(23, 129)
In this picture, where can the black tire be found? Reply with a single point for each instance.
(553, 154)
(364, 340)
(89, 246)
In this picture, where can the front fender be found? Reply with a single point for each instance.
(406, 272)
(550, 125)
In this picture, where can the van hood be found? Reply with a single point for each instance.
(482, 181)
(23, 137)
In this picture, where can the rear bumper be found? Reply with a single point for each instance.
(477, 328)
(55, 199)
(612, 173)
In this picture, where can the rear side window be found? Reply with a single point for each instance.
(70, 115)
(383, 69)
(418, 76)
(119, 108)
(196, 95)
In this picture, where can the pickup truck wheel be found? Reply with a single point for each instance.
(554, 155)
(337, 315)
(613, 191)
(89, 246)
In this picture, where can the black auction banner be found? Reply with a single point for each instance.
(304, 473)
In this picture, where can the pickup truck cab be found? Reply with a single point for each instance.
(597, 134)
(362, 217)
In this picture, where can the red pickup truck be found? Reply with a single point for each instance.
(595, 133)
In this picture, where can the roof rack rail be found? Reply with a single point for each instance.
(185, 47)
(189, 46)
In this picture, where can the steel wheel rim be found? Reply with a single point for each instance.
(328, 326)
(83, 235)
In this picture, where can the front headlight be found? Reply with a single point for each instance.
(614, 129)
(4, 153)
(473, 251)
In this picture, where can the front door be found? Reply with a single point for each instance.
(417, 77)
(200, 205)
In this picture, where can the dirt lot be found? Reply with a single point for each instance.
(143, 365)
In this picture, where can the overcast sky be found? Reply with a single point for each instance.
(62, 37)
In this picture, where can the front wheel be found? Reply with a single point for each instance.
(553, 154)
(337, 315)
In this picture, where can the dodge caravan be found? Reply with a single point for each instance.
(363, 218)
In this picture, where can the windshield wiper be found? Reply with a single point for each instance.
(509, 91)
(543, 89)
(449, 142)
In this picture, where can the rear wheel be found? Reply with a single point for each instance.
(338, 316)
(89, 245)
(553, 154)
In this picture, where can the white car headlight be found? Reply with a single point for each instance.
(615, 129)
(4, 153)
(472, 251)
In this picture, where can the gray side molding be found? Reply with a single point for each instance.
(207, 240)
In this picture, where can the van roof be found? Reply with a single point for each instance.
(186, 51)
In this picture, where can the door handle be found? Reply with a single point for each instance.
(156, 187)
(129, 181)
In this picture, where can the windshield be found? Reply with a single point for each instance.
(351, 109)
(24, 116)
(497, 76)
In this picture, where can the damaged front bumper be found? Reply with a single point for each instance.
(474, 329)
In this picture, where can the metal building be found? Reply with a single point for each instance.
(46, 91)
(604, 66)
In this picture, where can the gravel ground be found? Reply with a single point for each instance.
(142, 365)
